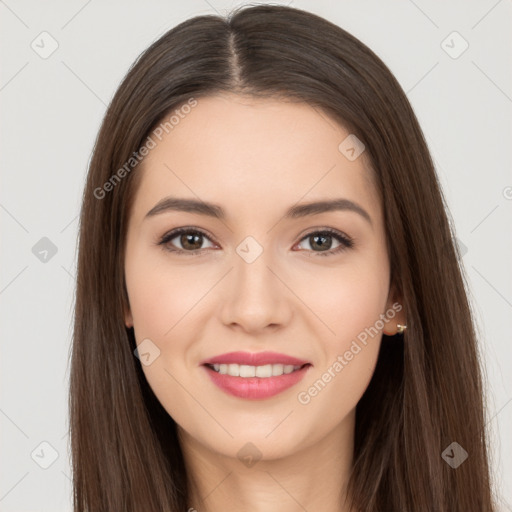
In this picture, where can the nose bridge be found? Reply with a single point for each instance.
(252, 274)
(255, 297)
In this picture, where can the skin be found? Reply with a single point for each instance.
(256, 158)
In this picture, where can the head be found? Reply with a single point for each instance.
(259, 114)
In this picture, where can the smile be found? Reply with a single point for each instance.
(255, 382)
(263, 372)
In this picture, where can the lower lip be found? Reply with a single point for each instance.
(256, 388)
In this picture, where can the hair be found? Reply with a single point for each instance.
(426, 391)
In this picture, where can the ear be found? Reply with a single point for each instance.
(394, 313)
(128, 318)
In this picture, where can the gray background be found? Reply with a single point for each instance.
(52, 108)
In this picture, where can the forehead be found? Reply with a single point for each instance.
(246, 151)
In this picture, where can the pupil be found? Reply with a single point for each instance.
(322, 246)
(187, 238)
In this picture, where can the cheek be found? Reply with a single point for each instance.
(166, 301)
(161, 295)
(345, 301)
(162, 301)
(350, 309)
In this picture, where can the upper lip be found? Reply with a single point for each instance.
(255, 359)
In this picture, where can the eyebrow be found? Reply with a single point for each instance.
(297, 211)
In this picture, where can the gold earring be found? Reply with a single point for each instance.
(400, 328)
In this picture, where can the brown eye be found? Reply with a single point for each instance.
(184, 240)
(191, 241)
(322, 240)
(187, 240)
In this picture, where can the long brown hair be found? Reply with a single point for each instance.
(427, 390)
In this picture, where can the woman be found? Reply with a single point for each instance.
(270, 313)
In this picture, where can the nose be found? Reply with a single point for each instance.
(257, 299)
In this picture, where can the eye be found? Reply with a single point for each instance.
(323, 240)
(190, 240)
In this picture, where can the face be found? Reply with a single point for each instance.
(309, 285)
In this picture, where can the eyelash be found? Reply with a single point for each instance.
(345, 241)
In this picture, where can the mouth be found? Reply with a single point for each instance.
(248, 371)
(255, 359)
(255, 382)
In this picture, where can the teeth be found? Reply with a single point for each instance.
(244, 370)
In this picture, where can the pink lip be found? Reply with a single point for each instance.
(255, 359)
(256, 388)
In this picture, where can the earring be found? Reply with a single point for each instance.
(400, 328)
